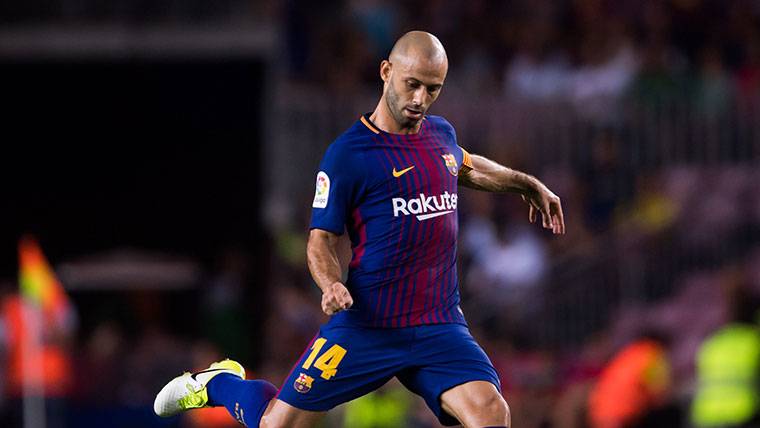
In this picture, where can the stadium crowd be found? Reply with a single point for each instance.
(660, 254)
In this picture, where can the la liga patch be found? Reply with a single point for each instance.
(322, 192)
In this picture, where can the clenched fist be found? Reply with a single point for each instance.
(336, 298)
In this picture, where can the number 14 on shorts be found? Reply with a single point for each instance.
(328, 361)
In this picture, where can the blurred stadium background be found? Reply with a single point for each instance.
(162, 153)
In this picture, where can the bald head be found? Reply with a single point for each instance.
(413, 76)
(419, 46)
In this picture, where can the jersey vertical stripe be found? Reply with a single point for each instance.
(410, 268)
(361, 230)
(441, 284)
(411, 278)
(403, 183)
(390, 273)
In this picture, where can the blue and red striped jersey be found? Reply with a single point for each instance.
(396, 195)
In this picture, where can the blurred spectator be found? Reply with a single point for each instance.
(508, 261)
(633, 385)
(387, 407)
(536, 77)
(657, 81)
(713, 86)
(728, 367)
(539, 70)
(608, 180)
(650, 212)
(748, 75)
(608, 63)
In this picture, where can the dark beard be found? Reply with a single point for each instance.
(397, 111)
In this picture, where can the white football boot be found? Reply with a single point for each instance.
(188, 391)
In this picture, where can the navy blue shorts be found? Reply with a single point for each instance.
(343, 363)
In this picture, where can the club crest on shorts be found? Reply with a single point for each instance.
(451, 163)
(303, 383)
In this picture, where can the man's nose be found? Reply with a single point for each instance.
(419, 96)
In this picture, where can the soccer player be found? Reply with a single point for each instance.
(391, 181)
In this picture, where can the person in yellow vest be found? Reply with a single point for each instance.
(387, 407)
(728, 370)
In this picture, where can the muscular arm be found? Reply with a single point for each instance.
(490, 176)
(324, 265)
(322, 257)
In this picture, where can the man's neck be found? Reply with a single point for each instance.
(383, 119)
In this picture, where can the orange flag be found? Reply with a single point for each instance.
(41, 308)
(39, 286)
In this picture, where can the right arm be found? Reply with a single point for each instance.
(324, 265)
(339, 181)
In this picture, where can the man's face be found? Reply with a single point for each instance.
(411, 87)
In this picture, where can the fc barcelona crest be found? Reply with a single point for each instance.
(451, 163)
(303, 383)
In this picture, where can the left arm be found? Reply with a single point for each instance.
(490, 176)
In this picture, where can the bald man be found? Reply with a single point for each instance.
(391, 181)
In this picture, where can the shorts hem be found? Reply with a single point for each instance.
(307, 407)
(449, 420)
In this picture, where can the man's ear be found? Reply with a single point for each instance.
(385, 70)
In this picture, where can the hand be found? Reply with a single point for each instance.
(336, 298)
(541, 199)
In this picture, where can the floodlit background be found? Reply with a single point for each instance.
(163, 155)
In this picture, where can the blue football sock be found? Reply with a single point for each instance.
(246, 400)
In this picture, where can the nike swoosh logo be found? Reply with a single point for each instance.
(204, 371)
(431, 215)
(398, 174)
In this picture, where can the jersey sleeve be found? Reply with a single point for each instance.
(466, 160)
(338, 186)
